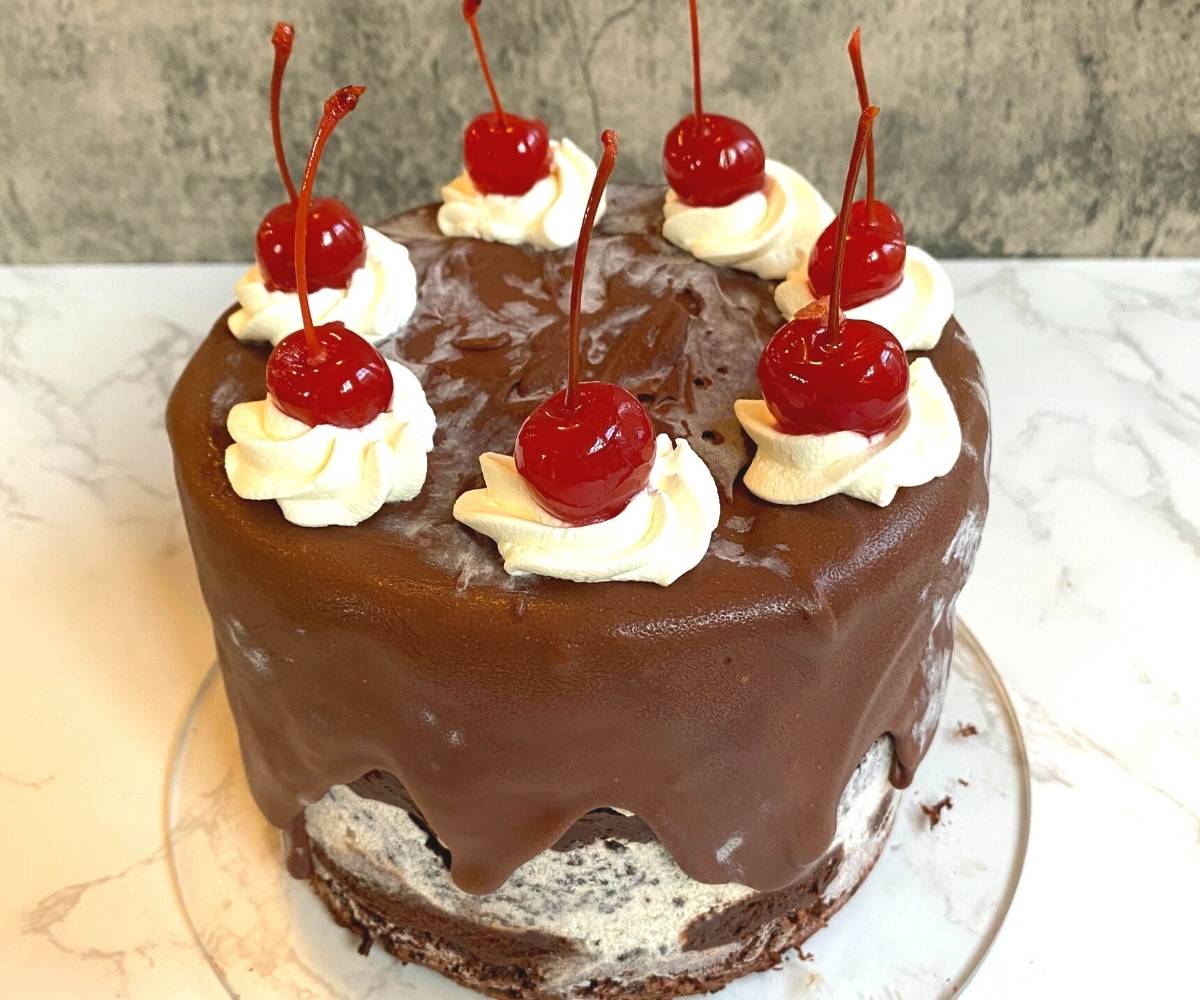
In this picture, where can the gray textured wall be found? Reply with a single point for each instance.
(139, 131)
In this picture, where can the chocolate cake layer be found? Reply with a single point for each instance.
(727, 710)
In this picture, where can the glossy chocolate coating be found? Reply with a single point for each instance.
(727, 710)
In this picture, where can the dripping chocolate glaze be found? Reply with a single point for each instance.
(727, 710)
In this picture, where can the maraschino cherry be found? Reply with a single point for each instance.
(710, 159)
(875, 247)
(339, 245)
(824, 372)
(503, 153)
(325, 374)
(587, 450)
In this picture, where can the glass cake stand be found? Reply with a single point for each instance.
(931, 908)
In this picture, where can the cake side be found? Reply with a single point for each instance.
(728, 711)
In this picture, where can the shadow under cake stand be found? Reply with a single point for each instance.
(930, 909)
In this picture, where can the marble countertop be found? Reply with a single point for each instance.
(1085, 595)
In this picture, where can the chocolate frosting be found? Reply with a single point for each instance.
(727, 710)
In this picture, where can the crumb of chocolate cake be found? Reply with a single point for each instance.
(964, 782)
(966, 729)
(934, 812)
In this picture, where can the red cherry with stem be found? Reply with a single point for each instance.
(326, 374)
(875, 249)
(711, 160)
(503, 153)
(587, 450)
(824, 372)
(339, 245)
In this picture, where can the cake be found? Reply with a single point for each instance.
(545, 788)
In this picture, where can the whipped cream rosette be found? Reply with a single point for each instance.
(803, 468)
(546, 216)
(377, 302)
(324, 474)
(916, 312)
(662, 533)
(767, 232)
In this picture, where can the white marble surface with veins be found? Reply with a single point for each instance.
(1085, 594)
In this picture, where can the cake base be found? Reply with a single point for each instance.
(357, 908)
(608, 913)
(930, 908)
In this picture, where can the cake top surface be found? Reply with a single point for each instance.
(487, 341)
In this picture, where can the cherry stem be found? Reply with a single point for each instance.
(340, 104)
(695, 18)
(470, 8)
(864, 101)
(282, 39)
(607, 161)
(861, 138)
